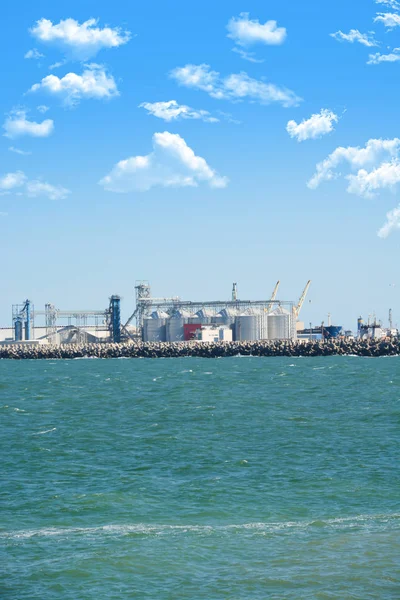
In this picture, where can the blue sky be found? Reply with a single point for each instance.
(224, 192)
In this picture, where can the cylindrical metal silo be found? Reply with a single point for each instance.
(18, 330)
(154, 328)
(203, 316)
(226, 316)
(174, 326)
(279, 325)
(247, 326)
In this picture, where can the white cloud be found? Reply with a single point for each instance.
(80, 41)
(247, 55)
(57, 65)
(12, 180)
(42, 108)
(18, 151)
(389, 20)
(392, 223)
(233, 87)
(316, 126)
(365, 183)
(32, 188)
(94, 82)
(172, 111)
(246, 32)
(37, 188)
(355, 36)
(375, 59)
(172, 163)
(34, 53)
(390, 3)
(17, 125)
(375, 153)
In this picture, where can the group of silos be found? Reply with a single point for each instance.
(250, 325)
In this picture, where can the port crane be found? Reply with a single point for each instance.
(297, 308)
(234, 292)
(274, 294)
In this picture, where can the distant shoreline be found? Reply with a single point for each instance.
(333, 347)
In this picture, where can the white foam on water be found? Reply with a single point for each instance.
(261, 527)
(47, 431)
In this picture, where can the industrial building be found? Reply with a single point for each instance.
(158, 320)
(176, 320)
(66, 326)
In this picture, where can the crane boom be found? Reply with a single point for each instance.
(300, 303)
(274, 294)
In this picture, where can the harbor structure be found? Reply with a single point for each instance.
(159, 319)
(247, 319)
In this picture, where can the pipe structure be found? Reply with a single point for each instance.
(115, 325)
(27, 309)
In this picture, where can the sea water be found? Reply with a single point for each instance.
(237, 478)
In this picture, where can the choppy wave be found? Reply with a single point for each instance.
(360, 521)
(46, 431)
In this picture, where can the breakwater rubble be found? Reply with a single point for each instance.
(371, 348)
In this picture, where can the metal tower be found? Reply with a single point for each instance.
(23, 319)
(115, 319)
(51, 321)
(234, 292)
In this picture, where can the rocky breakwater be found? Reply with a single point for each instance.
(371, 348)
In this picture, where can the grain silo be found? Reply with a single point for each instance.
(247, 326)
(226, 317)
(279, 324)
(174, 326)
(154, 328)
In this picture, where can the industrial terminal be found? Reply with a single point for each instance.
(157, 320)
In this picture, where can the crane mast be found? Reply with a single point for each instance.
(274, 294)
(300, 303)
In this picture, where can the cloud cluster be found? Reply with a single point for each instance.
(172, 163)
(172, 111)
(389, 20)
(392, 223)
(9, 181)
(366, 39)
(33, 53)
(79, 41)
(317, 125)
(246, 32)
(233, 87)
(390, 3)
(381, 156)
(17, 125)
(393, 56)
(19, 182)
(94, 82)
(19, 151)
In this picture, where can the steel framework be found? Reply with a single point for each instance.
(23, 319)
(145, 305)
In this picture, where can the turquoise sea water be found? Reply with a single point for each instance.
(242, 478)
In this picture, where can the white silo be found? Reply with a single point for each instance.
(226, 316)
(204, 315)
(154, 328)
(250, 326)
(279, 324)
(246, 327)
(174, 327)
